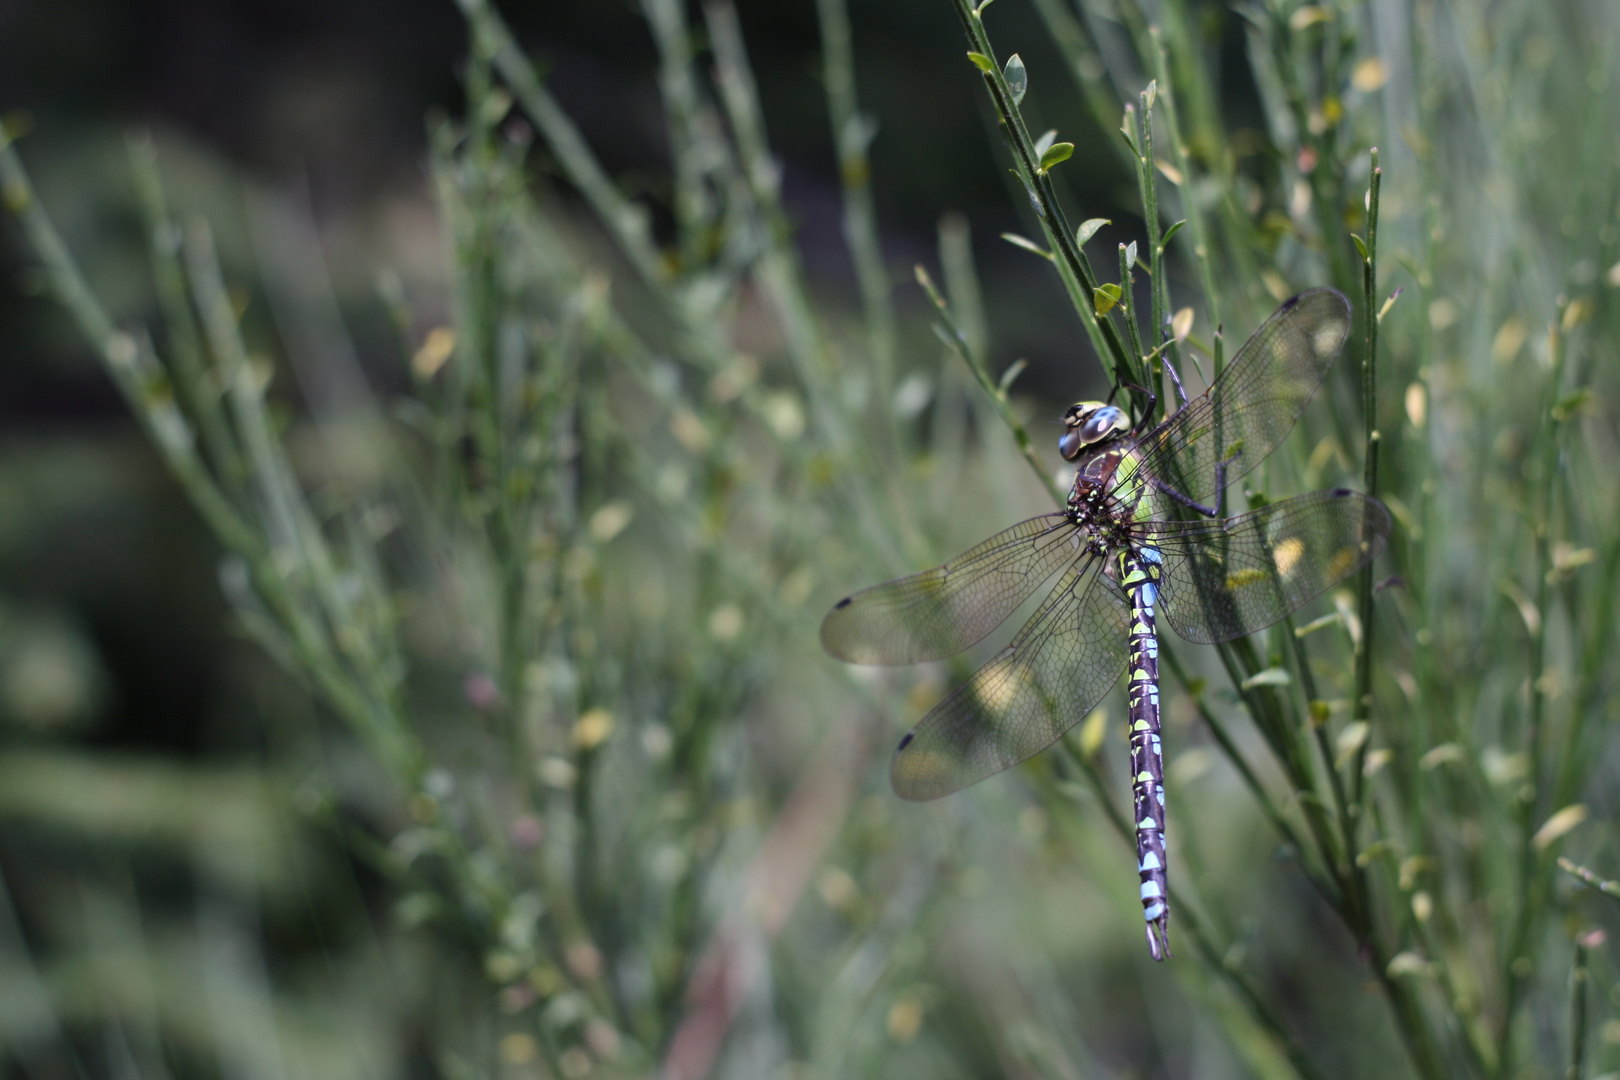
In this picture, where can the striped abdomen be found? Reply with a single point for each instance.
(1140, 570)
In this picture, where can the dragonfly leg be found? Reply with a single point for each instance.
(1153, 400)
(1176, 379)
(1188, 501)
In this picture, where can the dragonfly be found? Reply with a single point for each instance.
(1141, 534)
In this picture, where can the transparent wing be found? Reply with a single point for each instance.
(1061, 664)
(942, 611)
(1228, 577)
(1256, 400)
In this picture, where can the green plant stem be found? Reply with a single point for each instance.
(1240, 661)
(1326, 198)
(852, 132)
(1127, 308)
(779, 270)
(693, 205)
(1577, 1010)
(1408, 1014)
(1147, 180)
(1531, 881)
(1575, 760)
(133, 365)
(504, 491)
(1189, 925)
(185, 345)
(1611, 889)
(296, 542)
(1339, 855)
(957, 343)
(622, 218)
(1073, 267)
(753, 173)
(1361, 709)
(1357, 894)
(1323, 883)
(1190, 209)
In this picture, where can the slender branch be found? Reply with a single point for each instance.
(1532, 884)
(1608, 888)
(1158, 288)
(1190, 208)
(957, 342)
(852, 133)
(1362, 707)
(1324, 884)
(1073, 267)
(1190, 925)
(1578, 993)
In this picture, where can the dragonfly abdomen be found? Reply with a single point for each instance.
(1140, 572)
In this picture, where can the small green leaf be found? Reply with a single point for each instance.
(1055, 153)
(1310, 628)
(1105, 298)
(1171, 231)
(1150, 94)
(1394, 296)
(1014, 369)
(1028, 245)
(1181, 325)
(1130, 253)
(1017, 78)
(1092, 733)
(1043, 143)
(928, 287)
(1360, 246)
(982, 62)
(1571, 403)
(1559, 824)
(1274, 676)
(1089, 228)
(1448, 753)
(1126, 128)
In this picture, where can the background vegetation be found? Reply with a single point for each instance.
(519, 754)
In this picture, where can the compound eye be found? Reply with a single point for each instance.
(1070, 443)
(1101, 425)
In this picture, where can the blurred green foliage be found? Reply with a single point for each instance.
(558, 783)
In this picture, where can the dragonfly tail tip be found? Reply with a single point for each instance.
(1158, 940)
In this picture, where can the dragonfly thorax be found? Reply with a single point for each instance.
(1099, 506)
(1096, 438)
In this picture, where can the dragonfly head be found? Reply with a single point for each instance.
(1087, 423)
